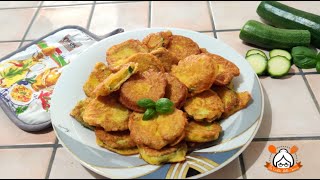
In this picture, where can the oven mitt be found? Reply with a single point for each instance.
(28, 75)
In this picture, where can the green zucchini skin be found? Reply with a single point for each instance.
(283, 16)
(270, 37)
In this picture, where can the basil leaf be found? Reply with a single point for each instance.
(149, 114)
(304, 57)
(318, 67)
(146, 103)
(164, 105)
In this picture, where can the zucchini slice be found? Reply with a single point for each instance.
(280, 52)
(278, 66)
(258, 63)
(256, 51)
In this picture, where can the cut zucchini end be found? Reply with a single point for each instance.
(256, 51)
(278, 66)
(258, 63)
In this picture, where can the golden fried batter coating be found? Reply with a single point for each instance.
(99, 73)
(114, 81)
(175, 91)
(149, 84)
(232, 100)
(115, 139)
(108, 113)
(203, 50)
(226, 70)
(201, 132)
(197, 72)
(166, 58)
(162, 130)
(168, 154)
(117, 54)
(182, 47)
(243, 100)
(77, 112)
(146, 61)
(206, 106)
(156, 40)
(229, 98)
(118, 141)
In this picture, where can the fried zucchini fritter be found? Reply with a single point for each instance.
(243, 100)
(197, 72)
(98, 74)
(108, 113)
(146, 61)
(77, 112)
(114, 81)
(168, 154)
(117, 54)
(201, 132)
(226, 70)
(229, 98)
(206, 106)
(157, 40)
(232, 100)
(149, 84)
(166, 58)
(162, 130)
(118, 141)
(175, 91)
(182, 47)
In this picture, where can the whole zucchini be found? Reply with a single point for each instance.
(283, 16)
(270, 37)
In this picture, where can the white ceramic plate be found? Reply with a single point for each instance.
(239, 129)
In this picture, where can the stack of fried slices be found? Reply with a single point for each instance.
(162, 65)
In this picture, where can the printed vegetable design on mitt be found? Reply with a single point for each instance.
(46, 79)
(45, 98)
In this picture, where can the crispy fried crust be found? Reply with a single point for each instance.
(149, 84)
(146, 61)
(157, 40)
(108, 113)
(117, 54)
(206, 106)
(116, 140)
(197, 72)
(77, 112)
(229, 98)
(175, 91)
(182, 47)
(125, 152)
(226, 70)
(201, 132)
(243, 100)
(114, 81)
(166, 58)
(158, 132)
(166, 155)
(98, 74)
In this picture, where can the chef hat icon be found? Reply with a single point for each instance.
(283, 159)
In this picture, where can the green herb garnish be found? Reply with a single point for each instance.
(304, 57)
(162, 106)
(149, 114)
(146, 103)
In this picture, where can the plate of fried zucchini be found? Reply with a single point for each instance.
(157, 103)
